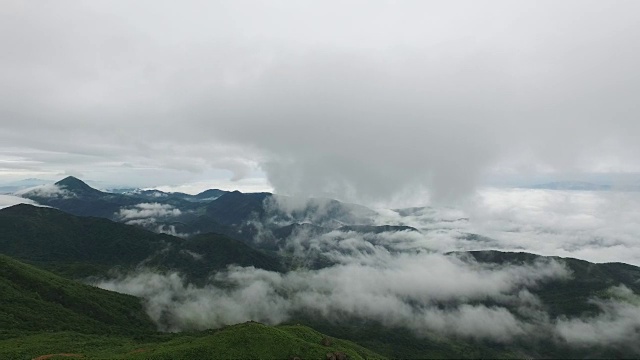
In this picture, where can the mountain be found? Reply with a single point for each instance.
(209, 195)
(323, 230)
(37, 300)
(158, 195)
(61, 241)
(82, 246)
(235, 208)
(200, 255)
(569, 297)
(78, 187)
(244, 216)
(74, 196)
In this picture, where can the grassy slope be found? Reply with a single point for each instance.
(58, 241)
(401, 343)
(78, 247)
(36, 300)
(241, 341)
(42, 313)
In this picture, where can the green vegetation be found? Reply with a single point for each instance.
(570, 297)
(199, 255)
(242, 341)
(50, 237)
(79, 247)
(42, 313)
(36, 300)
(401, 343)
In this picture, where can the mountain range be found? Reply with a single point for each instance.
(52, 255)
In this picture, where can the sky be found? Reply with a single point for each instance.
(363, 101)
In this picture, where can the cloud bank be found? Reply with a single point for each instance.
(47, 191)
(403, 291)
(400, 97)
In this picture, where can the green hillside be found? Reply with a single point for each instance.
(570, 297)
(199, 255)
(71, 244)
(242, 341)
(42, 314)
(37, 300)
(78, 247)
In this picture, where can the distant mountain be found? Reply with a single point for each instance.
(37, 300)
(209, 195)
(76, 197)
(235, 208)
(157, 195)
(78, 187)
(239, 215)
(570, 296)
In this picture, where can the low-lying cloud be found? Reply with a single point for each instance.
(47, 191)
(147, 211)
(597, 226)
(404, 290)
(10, 200)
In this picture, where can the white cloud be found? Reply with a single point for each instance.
(401, 290)
(617, 324)
(10, 200)
(597, 226)
(46, 191)
(147, 212)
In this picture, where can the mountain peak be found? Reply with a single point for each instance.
(71, 181)
(74, 184)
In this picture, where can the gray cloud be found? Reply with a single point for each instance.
(148, 215)
(360, 103)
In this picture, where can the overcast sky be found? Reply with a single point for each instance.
(360, 100)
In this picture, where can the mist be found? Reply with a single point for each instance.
(386, 291)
